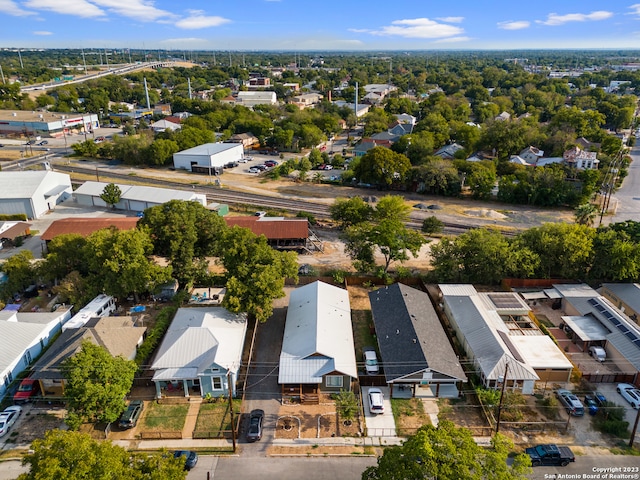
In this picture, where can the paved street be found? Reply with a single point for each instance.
(628, 195)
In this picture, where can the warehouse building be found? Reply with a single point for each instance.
(209, 158)
(134, 197)
(32, 192)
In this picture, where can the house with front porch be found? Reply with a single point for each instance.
(201, 353)
(317, 348)
(414, 348)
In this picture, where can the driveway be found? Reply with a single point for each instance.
(382, 425)
(609, 391)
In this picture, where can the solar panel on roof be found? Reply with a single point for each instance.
(593, 301)
(630, 335)
(637, 342)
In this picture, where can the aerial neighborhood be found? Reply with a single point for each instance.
(371, 256)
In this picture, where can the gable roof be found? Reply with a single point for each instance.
(318, 338)
(86, 226)
(197, 339)
(24, 184)
(448, 151)
(410, 336)
(117, 335)
(274, 228)
(12, 230)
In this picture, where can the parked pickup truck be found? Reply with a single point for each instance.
(550, 455)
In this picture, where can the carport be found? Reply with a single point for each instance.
(587, 331)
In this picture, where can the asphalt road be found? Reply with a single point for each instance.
(628, 195)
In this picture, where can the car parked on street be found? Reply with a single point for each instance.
(8, 418)
(571, 403)
(255, 425)
(376, 401)
(190, 458)
(630, 393)
(370, 361)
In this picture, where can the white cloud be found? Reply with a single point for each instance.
(453, 40)
(195, 22)
(11, 8)
(359, 30)
(451, 19)
(141, 10)
(635, 9)
(515, 25)
(182, 41)
(418, 28)
(79, 8)
(553, 19)
(42, 32)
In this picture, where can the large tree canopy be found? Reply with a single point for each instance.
(447, 452)
(382, 166)
(96, 385)
(76, 456)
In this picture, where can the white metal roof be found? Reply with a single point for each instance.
(23, 184)
(575, 290)
(198, 338)
(210, 149)
(141, 193)
(588, 329)
(318, 337)
(629, 293)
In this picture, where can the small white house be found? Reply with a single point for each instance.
(33, 192)
(207, 157)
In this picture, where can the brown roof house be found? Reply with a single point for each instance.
(118, 335)
(86, 226)
(282, 233)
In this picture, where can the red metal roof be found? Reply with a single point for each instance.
(274, 228)
(86, 226)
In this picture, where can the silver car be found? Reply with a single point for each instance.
(630, 393)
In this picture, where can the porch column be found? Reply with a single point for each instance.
(185, 386)
(158, 391)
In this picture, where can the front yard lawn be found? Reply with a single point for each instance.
(214, 419)
(165, 418)
(409, 415)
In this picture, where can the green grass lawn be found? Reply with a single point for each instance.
(362, 335)
(214, 418)
(165, 418)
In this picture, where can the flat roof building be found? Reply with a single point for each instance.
(21, 123)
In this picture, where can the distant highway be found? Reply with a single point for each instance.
(112, 71)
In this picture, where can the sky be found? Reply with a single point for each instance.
(323, 25)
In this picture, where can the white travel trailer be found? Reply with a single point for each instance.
(101, 306)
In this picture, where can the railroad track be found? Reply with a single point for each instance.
(238, 198)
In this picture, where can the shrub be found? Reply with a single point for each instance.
(432, 225)
(612, 420)
(155, 335)
(309, 216)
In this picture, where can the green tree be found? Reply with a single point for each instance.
(386, 233)
(481, 181)
(19, 272)
(447, 452)
(585, 214)
(616, 256)
(76, 456)
(120, 262)
(96, 385)
(161, 151)
(111, 194)
(349, 211)
(255, 272)
(64, 255)
(382, 166)
(432, 224)
(186, 233)
(346, 404)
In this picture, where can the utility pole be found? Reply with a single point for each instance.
(635, 428)
(84, 62)
(20, 56)
(504, 383)
(233, 427)
(2, 75)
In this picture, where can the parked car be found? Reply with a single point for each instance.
(255, 425)
(190, 458)
(630, 393)
(600, 398)
(28, 388)
(271, 163)
(254, 170)
(8, 418)
(550, 455)
(591, 404)
(31, 291)
(571, 403)
(43, 142)
(129, 418)
(370, 361)
(598, 353)
(376, 401)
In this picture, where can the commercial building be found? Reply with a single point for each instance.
(29, 124)
(208, 158)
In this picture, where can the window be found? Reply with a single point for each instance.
(333, 381)
(217, 383)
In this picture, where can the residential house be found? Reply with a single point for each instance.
(531, 155)
(23, 336)
(367, 144)
(118, 335)
(317, 348)
(593, 320)
(585, 144)
(448, 152)
(294, 87)
(626, 298)
(502, 117)
(164, 125)
(248, 140)
(201, 352)
(11, 231)
(499, 337)
(414, 348)
(580, 159)
(306, 100)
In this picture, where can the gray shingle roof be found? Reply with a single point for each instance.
(410, 336)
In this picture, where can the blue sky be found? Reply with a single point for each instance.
(320, 24)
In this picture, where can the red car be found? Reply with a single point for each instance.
(28, 388)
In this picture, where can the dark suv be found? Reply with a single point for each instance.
(130, 417)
